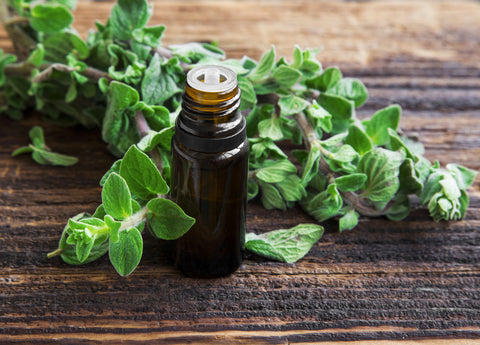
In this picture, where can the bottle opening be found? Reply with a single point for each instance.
(210, 78)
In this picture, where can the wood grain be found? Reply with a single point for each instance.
(386, 281)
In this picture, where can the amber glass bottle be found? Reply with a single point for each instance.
(209, 173)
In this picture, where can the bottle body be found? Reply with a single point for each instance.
(209, 176)
(211, 188)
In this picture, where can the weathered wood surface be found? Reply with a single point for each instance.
(384, 281)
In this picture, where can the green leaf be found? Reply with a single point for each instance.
(396, 142)
(84, 248)
(266, 86)
(252, 190)
(323, 205)
(358, 139)
(291, 188)
(319, 117)
(37, 137)
(443, 197)
(271, 197)
(125, 254)
(263, 148)
(348, 221)
(341, 109)
(51, 158)
(377, 127)
(149, 35)
(123, 95)
(114, 228)
(116, 197)
(121, 98)
(286, 76)
(400, 208)
(271, 128)
(329, 78)
(382, 169)
(152, 139)
(409, 181)
(22, 150)
(83, 234)
(128, 15)
(285, 245)
(5, 59)
(141, 174)
(276, 172)
(69, 253)
(351, 89)
(160, 119)
(157, 84)
(462, 175)
(310, 66)
(310, 168)
(253, 118)
(264, 66)
(249, 98)
(71, 92)
(345, 154)
(290, 105)
(350, 183)
(37, 55)
(167, 220)
(297, 57)
(99, 212)
(124, 64)
(59, 45)
(41, 153)
(49, 18)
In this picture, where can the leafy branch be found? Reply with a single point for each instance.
(122, 80)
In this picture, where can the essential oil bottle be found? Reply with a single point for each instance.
(209, 173)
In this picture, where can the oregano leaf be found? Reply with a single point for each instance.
(285, 245)
(50, 18)
(167, 220)
(264, 66)
(116, 197)
(126, 253)
(141, 174)
(377, 127)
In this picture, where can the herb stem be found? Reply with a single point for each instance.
(311, 139)
(141, 123)
(4, 17)
(47, 70)
(143, 128)
(135, 219)
(56, 252)
(25, 68)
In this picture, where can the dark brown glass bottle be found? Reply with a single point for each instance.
(209, 173)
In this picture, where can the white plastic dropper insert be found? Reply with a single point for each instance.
(211, 78)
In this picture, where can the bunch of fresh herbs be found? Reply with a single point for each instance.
(124, 81)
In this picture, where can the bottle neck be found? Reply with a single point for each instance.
(210, 121)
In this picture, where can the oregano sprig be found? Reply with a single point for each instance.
(131, 198)
(41, 153)
(124, 81)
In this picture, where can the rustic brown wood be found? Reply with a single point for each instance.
(384, 281)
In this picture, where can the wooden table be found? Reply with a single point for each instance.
(412, 280)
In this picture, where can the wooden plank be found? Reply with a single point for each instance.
(414, 279)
